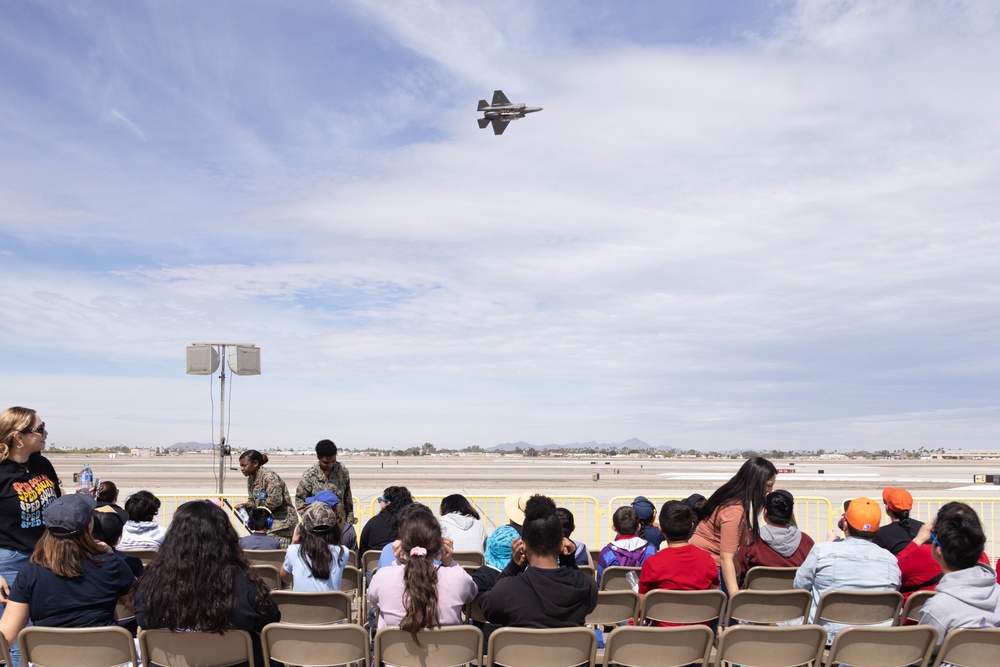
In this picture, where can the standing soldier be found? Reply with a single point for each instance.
(266, 489)
(326, 475)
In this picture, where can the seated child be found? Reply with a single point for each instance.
(628, 549)
(258, 523)
(580, 555)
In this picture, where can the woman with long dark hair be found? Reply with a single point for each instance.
(552, 592)
(71, 581)
(315, 561)
(265, 488)
(460, 522)
(201, 579)
(383, 528)
(421, 593)
(729, 517)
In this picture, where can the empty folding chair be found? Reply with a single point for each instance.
(658, 647)
(559, 647)
(369, 561)
(76, 647)
(315, 645)
(474, 558)
(447, 646)
(145, 555)
(761, 578)
(913, 605)
(767, 607)
(682, 607)
(588, 569)
(770, 646)
(270, 575)
(204, 649)
(320, 608)
(883, 647)
(859, 607)
(613, 607)
(970, 647)
(275, 557)
(614, 578)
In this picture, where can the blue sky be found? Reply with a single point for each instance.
(735, 224)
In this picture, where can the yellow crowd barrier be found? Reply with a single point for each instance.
(815, 515)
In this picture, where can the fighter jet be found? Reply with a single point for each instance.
(502, 112)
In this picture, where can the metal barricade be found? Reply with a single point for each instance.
(988, 509)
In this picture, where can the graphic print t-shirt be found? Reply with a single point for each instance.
(25, 491)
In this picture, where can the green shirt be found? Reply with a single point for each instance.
(315, 480)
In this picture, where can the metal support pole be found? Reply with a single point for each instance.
(222, 420)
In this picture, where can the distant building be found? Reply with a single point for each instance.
(962, 455)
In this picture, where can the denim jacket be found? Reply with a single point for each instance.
(854, 564)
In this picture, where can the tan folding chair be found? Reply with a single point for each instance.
(447, 646)
(913, 605)
(769, 646)
(474, 558)
(761, 578)
(589, 569)
(76, 647)
(682, 607)
(474, 610)
(613, 578)
(270, 575)
(145, 555)
(883, 647)
(613, 607)
(204, 649)
(970, 647)
(352, 559)
(321, 608)
(369, 560)
(658, 647)
(4, 651)
(859, 607)
(594, 555)
(558, 647)
(315, 645)
(275, 557)
(767, 607)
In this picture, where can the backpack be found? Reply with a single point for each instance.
(630, 557)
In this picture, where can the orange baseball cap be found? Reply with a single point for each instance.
(897, 500)
(864, 514)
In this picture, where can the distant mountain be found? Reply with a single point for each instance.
(631, 443)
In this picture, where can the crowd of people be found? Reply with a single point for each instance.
(64, 559)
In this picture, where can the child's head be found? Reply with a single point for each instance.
(259, 519)
(108, 526)
(566, 519)
(676, 521)
(958, 535)
(542, 532)
(625, 520)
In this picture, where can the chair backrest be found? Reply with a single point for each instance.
(204, 649)
(589, 570)
(270, 575)
(557, 647)
(761, 578)
(658, 647)
(767, 607)
(352, 559)
(351, 581)
(468, 558)
(613, 578)
(970, 647)
(4, 650)
(123, 612)
(614, 607)
(76, 647)
(913, 605)
(682, 607)
(594, 555)
(315, 644)
(883, 647)
(369, 560)
(145, 555)
(320, 608)
(859, 607)
(275, 557)
(771, 646)
(474, 610)
(447, 646)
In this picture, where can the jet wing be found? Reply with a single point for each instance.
(500, 125)
(483, 122)
(500, 100)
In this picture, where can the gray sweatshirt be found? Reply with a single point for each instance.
(783, 539)
(968, 598)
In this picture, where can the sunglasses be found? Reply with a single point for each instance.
(37, 430)
(383, 500)
(934, 539)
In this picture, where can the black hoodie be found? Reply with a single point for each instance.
(540, 598)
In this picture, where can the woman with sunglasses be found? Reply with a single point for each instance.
(28, 483)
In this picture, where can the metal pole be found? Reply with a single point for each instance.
(222, 420)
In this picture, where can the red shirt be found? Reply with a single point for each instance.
(686, 568)
(917, 566)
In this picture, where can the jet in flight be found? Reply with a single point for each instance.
(501, 112)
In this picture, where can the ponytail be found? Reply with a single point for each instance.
(904, 522)
(420, 537)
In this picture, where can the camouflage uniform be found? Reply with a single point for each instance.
(314, 480)
(265, 488)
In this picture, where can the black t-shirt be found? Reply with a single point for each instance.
(25, 490)
(894, 537)
(86, 601)
(377, 533)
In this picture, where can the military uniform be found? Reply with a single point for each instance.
(265, 488)
(315, 480)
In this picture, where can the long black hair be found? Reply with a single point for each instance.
(457, 503)
(319, 529)
(399, 497)
(189, 585)
(748, 487)
(542, 531)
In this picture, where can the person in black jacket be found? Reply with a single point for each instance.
(541, 587)
(901, 530)
(383, 528)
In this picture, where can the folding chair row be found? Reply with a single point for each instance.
(276, 557)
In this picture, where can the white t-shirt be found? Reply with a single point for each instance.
(302, 574)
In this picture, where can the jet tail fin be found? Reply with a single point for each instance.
(482, 104)
(483, 122)
(499, 125)
(499, 99)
